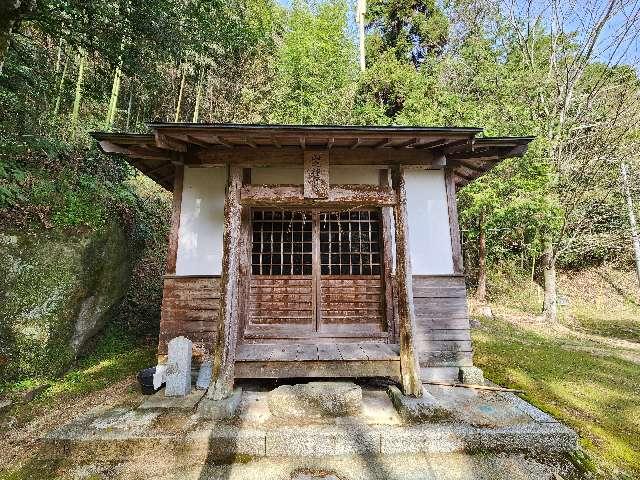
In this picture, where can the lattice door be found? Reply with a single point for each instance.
(315, 274)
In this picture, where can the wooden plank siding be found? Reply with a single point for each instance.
(442, 321)
(190, 308)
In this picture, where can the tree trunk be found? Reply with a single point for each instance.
(550, 307)
(6, 24)
(632, 217)
(481, 290)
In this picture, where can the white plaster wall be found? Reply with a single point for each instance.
(277, 175)
(201, 222)
(353, 175)
(428, 215)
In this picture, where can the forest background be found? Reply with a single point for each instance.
(564, 72)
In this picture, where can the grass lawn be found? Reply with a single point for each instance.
(585, 371)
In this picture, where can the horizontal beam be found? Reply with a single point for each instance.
(274, 156)
(285, 195)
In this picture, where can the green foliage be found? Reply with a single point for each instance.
(315, 67)
(412, 30)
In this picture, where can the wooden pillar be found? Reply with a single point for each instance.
(172, 250)
(225, 349)
(409, 366)
(387, 255)
(456, 245)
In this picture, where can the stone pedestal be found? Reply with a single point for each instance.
(178, 367)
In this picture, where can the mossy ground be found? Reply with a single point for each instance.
(105, 376)
(585, 370)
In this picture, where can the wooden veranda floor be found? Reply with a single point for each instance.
(366, 359)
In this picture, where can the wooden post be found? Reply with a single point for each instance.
(409, 366)
(172, 250)
(222, 377)
(454, 227)
(388, 264)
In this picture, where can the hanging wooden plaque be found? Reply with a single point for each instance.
(316, 174)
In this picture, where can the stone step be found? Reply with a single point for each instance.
(381, 467)
(223, 441)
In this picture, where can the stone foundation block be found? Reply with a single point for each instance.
(471, 376)
(220, 409)
(412, 409)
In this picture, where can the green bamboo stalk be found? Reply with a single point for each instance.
(184, 75)
(82, 56)
(63, 77)
(196, 109)
(113, 100)
(130, 104)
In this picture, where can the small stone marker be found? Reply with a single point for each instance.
(316, 399)
(204, 375)
(179, 368)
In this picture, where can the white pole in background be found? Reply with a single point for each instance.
(632, 216)
(361, 9)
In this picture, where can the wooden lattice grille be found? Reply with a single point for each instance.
(350, 243)
(282, 243)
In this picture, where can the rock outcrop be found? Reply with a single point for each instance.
(56, 293)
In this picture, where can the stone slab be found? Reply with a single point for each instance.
(429, 438)
(160, 401)
(531, 437)
(422, 409)
(226, 441)
(204, 375)
(220, 409)
(439, 374)
(316, 400)
(314, 441)
(178, 373)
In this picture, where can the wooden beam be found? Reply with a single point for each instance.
(249, 142)
(219, 141)
(470, 166)
(275, 141)
(293, 155)
(454, 227)
(409, 366)
(170, 143)
(172, 249)
(432, 144)
(356, 144)
(222, 378)
(343, 195)
(302, 141)
(330, 143)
